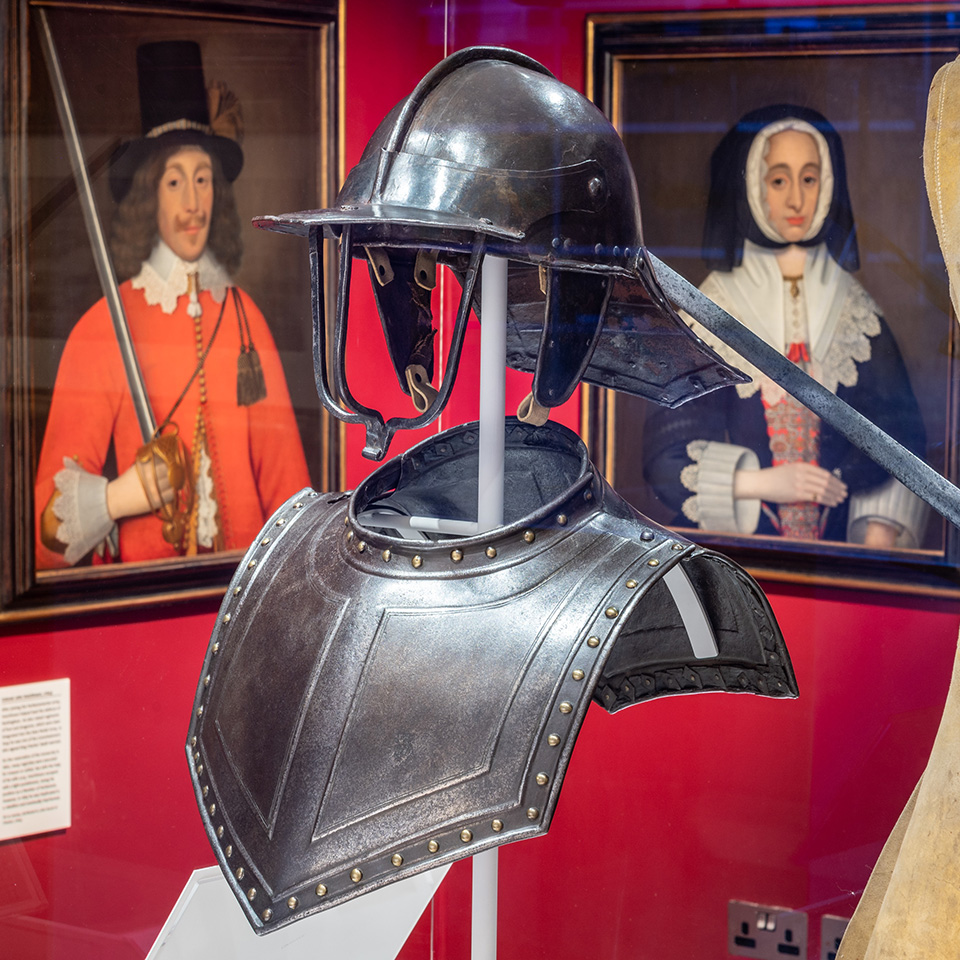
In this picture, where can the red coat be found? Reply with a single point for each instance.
(256, 452)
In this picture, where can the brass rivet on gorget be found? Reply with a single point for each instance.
(206, 790)
(588, 495)
(529, 536)
(562, 520)
(631, 584)
(321, 890)
(251, 564)
(466, 835)
(228, 851)
(386, 556)
(349, 535)
(292, 903)
(397, 860)
(252, 894)
(267, 914)
(239, 873)
(193, 741)
(653, 563)
(593, 641)
(361, 546)
(491, 552)
(417, 561)
(283, 520)
(297, 505)
(200, 710)
(497, 826)
(433, 846)
(213, 809)
(236, 591)
(196, 759)
(611, 613)
(542, 779)
(220, 832)
(216, 647)
(566, 706)
(265, 541)
(206, 680)
(356, 875)
(532, 813)
(577, 674)
(553, 740)
(226, 618)
(200, 770)
(677, 546)
(456, 555)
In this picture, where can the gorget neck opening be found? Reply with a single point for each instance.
(548, 479)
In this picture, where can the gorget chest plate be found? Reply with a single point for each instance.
(373, 705)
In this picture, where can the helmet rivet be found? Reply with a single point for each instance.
(292, 903)
(555, 243)
(497, 826)
(397, 860)
(566, 707)
(542, 779)
(491, 552)
(594, 186)
(386, 556)
(553, 740)
(529, 536)
(356, 875)
(567, 244)
(456, 555)
(598, 249)
(577, 674)
(631, 584)
(593, 641)
(562, 519)
(416, 561)
(616, 251)
(321, 890)
(466, 835)
(532, 813)
(267, 915)
(433, 846)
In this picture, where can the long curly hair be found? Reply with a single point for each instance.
(134, 231)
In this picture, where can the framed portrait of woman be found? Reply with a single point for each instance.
(158, 397)
(779, 163)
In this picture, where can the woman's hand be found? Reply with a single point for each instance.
(790, 483)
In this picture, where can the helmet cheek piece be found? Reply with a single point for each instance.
(409, 339)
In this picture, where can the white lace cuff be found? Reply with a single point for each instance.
(710, 477)
(81, 509)
(891, 503)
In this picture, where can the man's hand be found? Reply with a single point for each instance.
(128, 496)
(790, 483)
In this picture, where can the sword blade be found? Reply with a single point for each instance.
(108, 279)
(896, 459)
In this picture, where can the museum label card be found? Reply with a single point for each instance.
(34, 758)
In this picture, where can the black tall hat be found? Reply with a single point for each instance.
(729, 220)
(173, 110)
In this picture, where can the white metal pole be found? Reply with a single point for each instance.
(493, 365)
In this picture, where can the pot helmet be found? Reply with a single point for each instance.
(491, 154)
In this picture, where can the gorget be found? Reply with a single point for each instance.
(372, 706)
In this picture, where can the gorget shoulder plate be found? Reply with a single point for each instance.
(372, 706)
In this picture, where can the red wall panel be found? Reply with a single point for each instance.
(669, 809)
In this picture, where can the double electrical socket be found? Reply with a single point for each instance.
(776, 933)
(770, 933)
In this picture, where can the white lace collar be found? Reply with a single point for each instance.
(163, 277)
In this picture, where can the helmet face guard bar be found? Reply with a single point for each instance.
(379, 432)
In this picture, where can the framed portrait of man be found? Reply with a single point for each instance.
(778, 158)
(159, 401)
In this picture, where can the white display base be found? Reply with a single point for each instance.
(207, 922)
